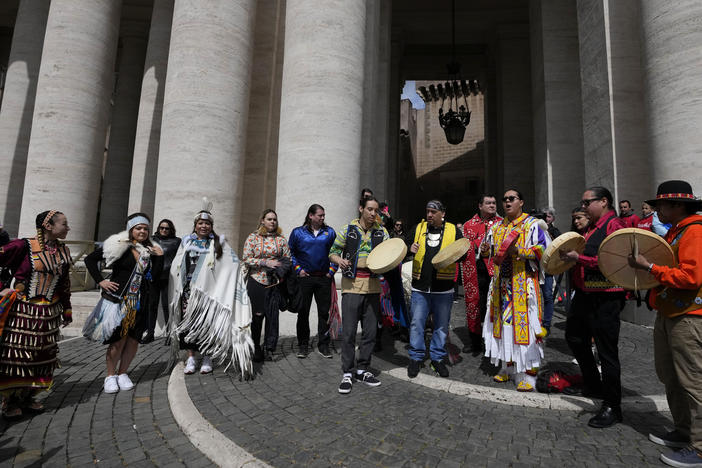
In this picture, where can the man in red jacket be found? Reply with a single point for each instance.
(477, 272)
(677, 333)
(626, 214)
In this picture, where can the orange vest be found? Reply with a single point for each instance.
(672, 302)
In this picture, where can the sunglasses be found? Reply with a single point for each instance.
(587, 202)
(511, 198)
(161, 228)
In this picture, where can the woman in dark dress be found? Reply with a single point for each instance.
(165, 236)
(34, 305)
(120, 317)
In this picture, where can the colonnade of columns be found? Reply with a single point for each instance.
(615, 97)
(282, 104)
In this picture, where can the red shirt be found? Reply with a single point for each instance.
(630, 220)
(646, 223)
(591, 262)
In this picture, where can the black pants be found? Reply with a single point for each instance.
(596, 315)
(320, 288)
(259, 307)
(354, 308)
(158, 292)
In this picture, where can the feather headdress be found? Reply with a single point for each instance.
(205, 212)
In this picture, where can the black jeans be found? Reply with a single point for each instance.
(158, 292)
(259, 307)
(354, 308)
(320, 288)
(596, 315)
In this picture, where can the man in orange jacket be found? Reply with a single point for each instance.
(677, 334)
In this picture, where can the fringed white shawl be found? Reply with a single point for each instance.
(218, 314)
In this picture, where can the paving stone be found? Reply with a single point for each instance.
(86, 423)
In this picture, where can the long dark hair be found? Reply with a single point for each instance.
(601, 192)
(147, 242)
(217, 243)
(39, 224)
(171, 228)
(310, 211)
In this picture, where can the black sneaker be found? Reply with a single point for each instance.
(413, 368)
(672, 439)
(303, 352)
(345, 385)
(258, 354)
(324, 351)
(440, 368)
(368, 378)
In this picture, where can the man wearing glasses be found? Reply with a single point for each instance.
(595, 311)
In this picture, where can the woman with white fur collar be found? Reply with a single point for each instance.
(119, 318)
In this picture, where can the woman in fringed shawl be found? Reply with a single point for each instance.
(512, 328)
(120, 317)
(32, 307)
(209, 308)
(263, 251)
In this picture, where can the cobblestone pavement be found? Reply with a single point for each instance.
(635, 354)
(291, 413)
(84, 427)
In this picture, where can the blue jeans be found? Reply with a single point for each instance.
(422, 305)
(547, 291)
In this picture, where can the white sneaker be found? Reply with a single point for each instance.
(206, 366)
(111, 385)
(189, 366)
(125, 383)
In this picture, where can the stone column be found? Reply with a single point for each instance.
(18, 106)
(395, 165)
(70, 113)
(205, 112)
(120, 149)
(385, 100)
(258, 188)
(369, 166)
(559, 170)
(672, 45)
(614, 135)
(515, 132)
(142, 189)
(321, 110)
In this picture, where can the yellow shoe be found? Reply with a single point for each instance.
(501, 378)
(525, 387)
(543, 333)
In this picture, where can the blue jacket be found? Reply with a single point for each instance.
(311, 253)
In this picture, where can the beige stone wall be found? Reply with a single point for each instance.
(452, 173)
(433, 151)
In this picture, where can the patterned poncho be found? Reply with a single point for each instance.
(515, 306)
